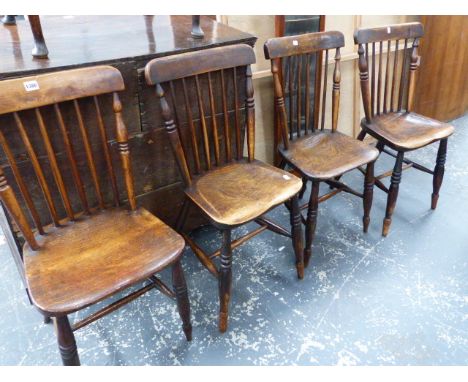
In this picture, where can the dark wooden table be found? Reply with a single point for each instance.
(127, 43)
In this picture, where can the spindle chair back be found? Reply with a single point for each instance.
(388, 83)
(95, 248)
(207, 103)
(35, 94)
(388, 73)
(195, 97)
(316, 153)
(291, 60)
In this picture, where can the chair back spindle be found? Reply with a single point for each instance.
(307, 93)
(50, 91)
(324, 96)
(236, 115)
(21, 184)
(250, 107)
(11, 203)
(188, 111)
(214, 126)
(105, 149)
(89, 153)
(122, 142)
(54, 166)
(72, 159)
(336, 90)
(279, 101)
(412, 74)
(227, 130)
(37, 168)
(196, 88)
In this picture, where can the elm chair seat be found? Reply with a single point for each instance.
(324, 155)
(241, 188)
(407, 131)
(111, 250)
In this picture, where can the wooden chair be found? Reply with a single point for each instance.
(317, 154)
(93, 251)
(388, 104)
(230, 189)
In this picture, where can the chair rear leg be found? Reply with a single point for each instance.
(297, 238)
(225, 280)
(180, 221)
(304, 188)
(392, 193)
(183, 303)
(47, 320)
(66, 342)
(282, 164)
(368, 194)
(361, 135)
(439, 172)
(311, 222)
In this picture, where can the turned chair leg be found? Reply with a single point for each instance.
(439, 172)
(368, 194)
(183, 303)
(311, 222)
(304, 188)
(66, 342)
(297, 238)
(392, 193)
(225, 280)
(361, 135)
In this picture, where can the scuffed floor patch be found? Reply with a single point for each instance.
(365, 300)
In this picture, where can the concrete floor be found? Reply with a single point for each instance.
(365, 300)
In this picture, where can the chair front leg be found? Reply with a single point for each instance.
(66, 342)
(311, 220)
(183, 303)
(368, 194)
(392, 193)
(439, 172)
(225, 280)
(282, 164)
(297, 238)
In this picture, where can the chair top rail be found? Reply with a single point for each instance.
(184, 65)
(305, 43)
(46, 89)
(388, 32)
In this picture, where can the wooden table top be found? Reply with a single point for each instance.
(78, 40)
